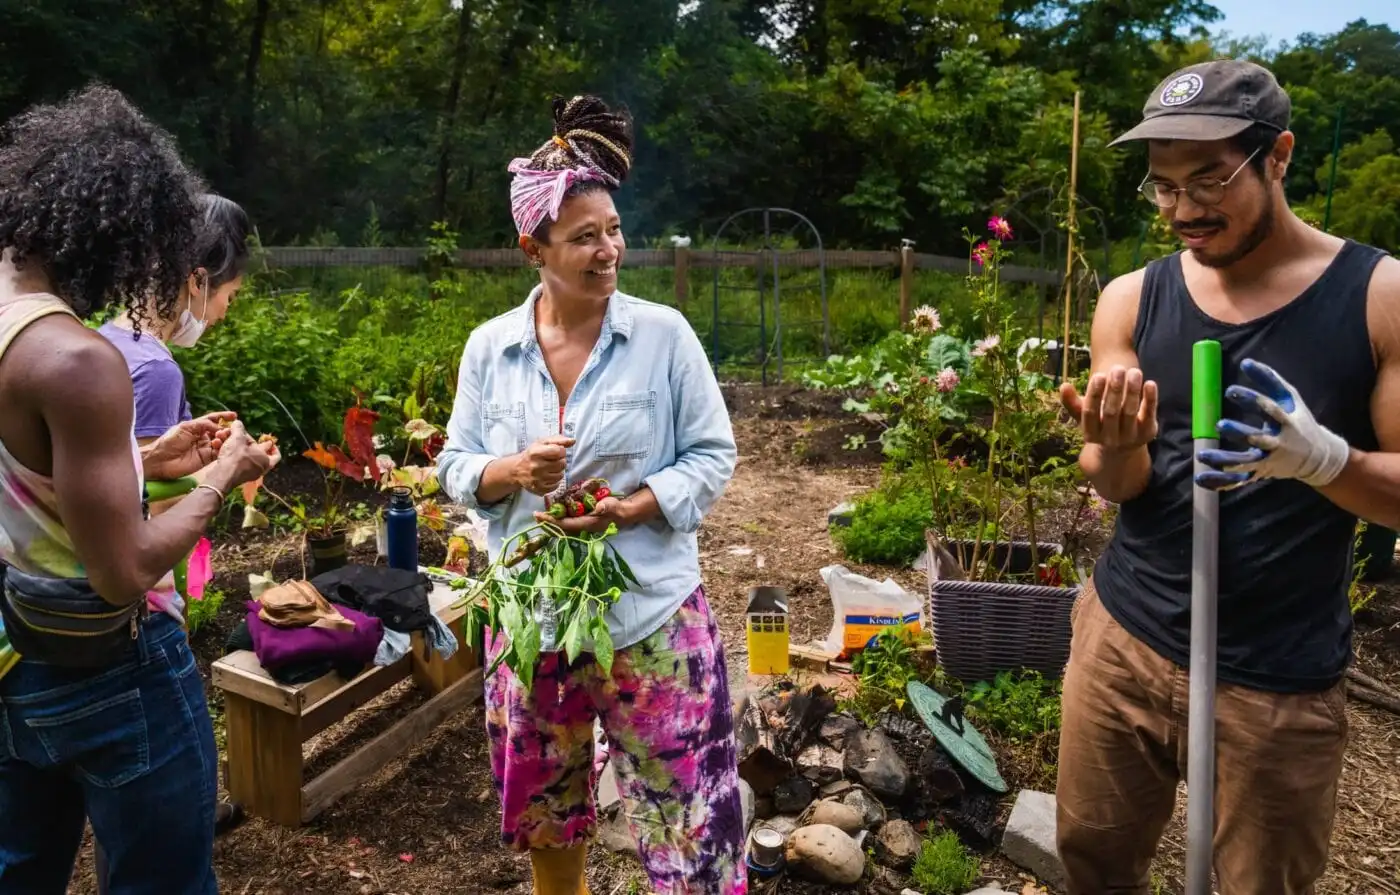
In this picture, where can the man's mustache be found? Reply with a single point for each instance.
(1198, 224)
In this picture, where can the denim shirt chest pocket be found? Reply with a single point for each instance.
(503, 427)
(626, 425)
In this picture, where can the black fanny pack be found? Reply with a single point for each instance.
(63, 621)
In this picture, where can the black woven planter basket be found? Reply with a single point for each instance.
(981, 628)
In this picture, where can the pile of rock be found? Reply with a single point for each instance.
(835, 799)
(837, 792)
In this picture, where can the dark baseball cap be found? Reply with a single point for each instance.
(1212, 101)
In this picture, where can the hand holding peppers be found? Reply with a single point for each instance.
(588, 506)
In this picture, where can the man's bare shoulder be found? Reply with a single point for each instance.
(1383, 310)
(1116, 313)
(1124, 291)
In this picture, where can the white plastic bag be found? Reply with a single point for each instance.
(862, 607)
(474, 530)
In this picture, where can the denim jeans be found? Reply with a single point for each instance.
(131, 748)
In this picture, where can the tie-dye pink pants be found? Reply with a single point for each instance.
(666, 712)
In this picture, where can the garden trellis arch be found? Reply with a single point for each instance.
(767, 253)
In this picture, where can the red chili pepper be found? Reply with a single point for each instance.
(601, 493)
(575, 508)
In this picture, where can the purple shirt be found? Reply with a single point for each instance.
(156, 379)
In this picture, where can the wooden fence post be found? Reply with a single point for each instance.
(682, 276)
(906, 283)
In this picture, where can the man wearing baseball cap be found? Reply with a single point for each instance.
(1309, 326)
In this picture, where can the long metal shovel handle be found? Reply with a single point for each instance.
(1206, 395)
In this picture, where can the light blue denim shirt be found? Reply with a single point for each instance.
(646, 411)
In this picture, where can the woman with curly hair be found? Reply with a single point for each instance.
(221, 258)
(580, 381)
(103, 714)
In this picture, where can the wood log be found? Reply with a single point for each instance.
(1371, 697)
(1365, 680)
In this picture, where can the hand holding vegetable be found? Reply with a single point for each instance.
(605, 512)
(540, 468)
(587, 506)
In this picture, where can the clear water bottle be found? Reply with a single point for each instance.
(402, 525)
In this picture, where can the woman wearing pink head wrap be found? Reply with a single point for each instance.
(582, 381)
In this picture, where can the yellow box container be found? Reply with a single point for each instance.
(767, 631)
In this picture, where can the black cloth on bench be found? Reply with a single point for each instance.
(396, 597)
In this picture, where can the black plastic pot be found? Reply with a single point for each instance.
(1377, 547)
(1018, 562)
(327, 553)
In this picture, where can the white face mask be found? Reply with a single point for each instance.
(189, 329)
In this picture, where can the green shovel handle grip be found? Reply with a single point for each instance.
(1206, 391)
(158, 491)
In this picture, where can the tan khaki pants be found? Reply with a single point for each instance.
(1123, 750)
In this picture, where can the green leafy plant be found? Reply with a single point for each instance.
(576, 576)
(1359, 593)
(198, 613)
(971, 434)
(441, 257)
(887, 525)
(945, 866)
(883, 672)
(1020, 707)
(264, 356)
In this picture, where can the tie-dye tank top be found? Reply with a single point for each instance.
(32, 536)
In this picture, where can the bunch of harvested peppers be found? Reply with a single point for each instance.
(581, 575)
(577, 500)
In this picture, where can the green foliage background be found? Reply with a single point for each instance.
(390, 122)
(364, 121)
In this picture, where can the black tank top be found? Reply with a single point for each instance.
(1285, 550)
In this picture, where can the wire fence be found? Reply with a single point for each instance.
(748, 307)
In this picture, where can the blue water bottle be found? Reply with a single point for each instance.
(402, 524)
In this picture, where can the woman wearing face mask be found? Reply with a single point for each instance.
(579, 381)
(159, 385)
(209, 289)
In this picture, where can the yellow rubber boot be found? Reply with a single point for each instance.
(559, 871)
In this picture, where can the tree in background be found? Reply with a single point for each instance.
(352, 121)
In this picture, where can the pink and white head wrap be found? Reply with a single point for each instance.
(537, 195)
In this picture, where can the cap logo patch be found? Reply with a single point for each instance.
(1181, 90)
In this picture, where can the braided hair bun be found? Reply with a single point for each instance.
(587, 132)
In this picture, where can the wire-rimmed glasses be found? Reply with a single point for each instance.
(1202, 192)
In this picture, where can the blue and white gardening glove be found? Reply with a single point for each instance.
(1291, 445)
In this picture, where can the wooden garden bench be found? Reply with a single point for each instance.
(268, 722)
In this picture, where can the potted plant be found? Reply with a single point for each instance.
(1000, 585)
(354, 460)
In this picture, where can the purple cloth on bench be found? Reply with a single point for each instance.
(279, 647)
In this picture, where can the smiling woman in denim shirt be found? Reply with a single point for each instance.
(579, 381)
